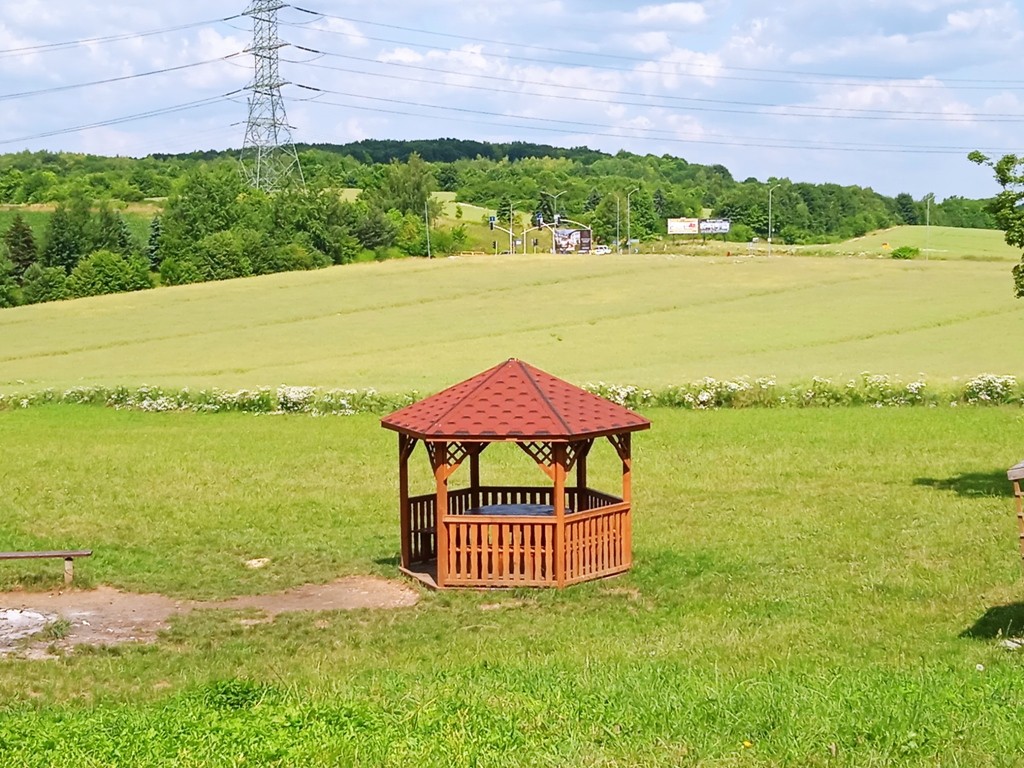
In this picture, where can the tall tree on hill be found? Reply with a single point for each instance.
(906, 208)
(64, 241)
(404, 187)
(153, 246)
(109, 231)
(8, 283)
(21, 245)
(1008, 206)
(209, 200)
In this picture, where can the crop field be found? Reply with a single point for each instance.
(648, 319)
(810, 588)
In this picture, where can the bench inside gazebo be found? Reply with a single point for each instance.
(480, 535)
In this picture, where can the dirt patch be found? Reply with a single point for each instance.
(107, 616)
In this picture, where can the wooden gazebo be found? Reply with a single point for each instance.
(501, 536)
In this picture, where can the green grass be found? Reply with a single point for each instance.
(934, 243)
(136, 215)
(650, 320)
(820, 584)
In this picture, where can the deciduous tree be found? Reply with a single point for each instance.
(1008, 205)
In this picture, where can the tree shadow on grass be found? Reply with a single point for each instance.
(394, 561)
(998, 621)
(971, 484)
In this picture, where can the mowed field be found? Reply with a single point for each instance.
(810, 588)
(648, 319)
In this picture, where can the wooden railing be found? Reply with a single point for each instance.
(422, 529)
(597, 543)
(496, 550)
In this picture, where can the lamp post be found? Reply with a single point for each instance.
(770, 190)
(629, 233)
(928, 223)
(554, 214)
(618, 237)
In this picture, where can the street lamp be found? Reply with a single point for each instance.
(629, 238)
(618, 237)
(770, 190)
(554, 214)
(928, 223)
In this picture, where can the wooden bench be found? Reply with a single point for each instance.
(68, 555)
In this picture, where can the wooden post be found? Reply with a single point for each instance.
(627, 496)
(1020, 513)
(69, 571)
(474, 477)
(581, 475)
(558, 455)
(441, 486)
(405, 522)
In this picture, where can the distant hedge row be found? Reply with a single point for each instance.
(876, 390)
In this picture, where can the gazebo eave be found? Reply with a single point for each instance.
(513, 437)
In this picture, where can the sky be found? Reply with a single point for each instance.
(887, 94)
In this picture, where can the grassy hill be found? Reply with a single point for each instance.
(645, 319)
(933, 242)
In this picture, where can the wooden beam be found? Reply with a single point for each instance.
(558, 454)
(474, 477)
(405, 445)
(583, 450)
(441, 475)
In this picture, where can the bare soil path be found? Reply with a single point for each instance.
(31, 621)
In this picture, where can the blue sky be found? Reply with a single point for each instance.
(890, 94)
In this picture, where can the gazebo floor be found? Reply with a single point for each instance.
(425, 573)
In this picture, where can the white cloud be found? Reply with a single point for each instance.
(671, 13)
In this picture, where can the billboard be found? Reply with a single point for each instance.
(566, 240)
(572, 240)
(683, 226)
(714, 226)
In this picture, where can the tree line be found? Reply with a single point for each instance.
(213, 227)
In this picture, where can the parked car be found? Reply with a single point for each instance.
(602, 250)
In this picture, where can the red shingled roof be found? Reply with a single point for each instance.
(514, 400)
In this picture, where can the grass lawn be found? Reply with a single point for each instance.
(810, 588)
(649, 320)
(933, 242)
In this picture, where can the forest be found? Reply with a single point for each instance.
(208, 225)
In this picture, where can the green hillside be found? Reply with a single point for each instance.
(646, 319)
(933, 242)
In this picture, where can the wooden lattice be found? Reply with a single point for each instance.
(622, 444)
(449, 456)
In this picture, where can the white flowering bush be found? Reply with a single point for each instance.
(990, 389)
(294, 399)
(876, 390)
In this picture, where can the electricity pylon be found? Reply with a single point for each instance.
(269, 159)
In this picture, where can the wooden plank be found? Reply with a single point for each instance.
(63, 553)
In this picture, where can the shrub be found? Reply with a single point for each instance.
(906, 252)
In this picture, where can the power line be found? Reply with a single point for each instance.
(43, 47)
(656, 69)
(789, 109)
(59, 88)
(127, 118)
(624, 57)
(673, 137)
